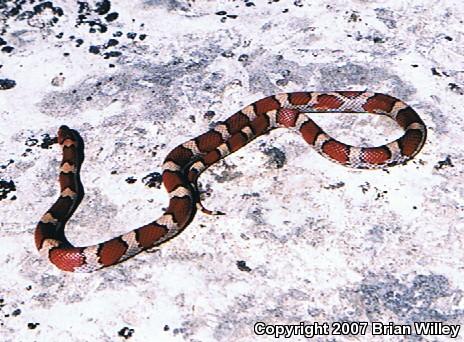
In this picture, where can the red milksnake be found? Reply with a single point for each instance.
(184, 164)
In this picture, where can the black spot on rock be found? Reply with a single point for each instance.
(103, 7)
(5, 188)
(7, 49)
(112, 16)
(47, 141)
(243, 58)
(277, 156)
(456, 88)
(153, 180)
(435, 72)
(112, 42)
(131, 180)
(4, 166)
(31, 141)
(110, 54)
(7, 84)
(126, 332)
(242, 266)
(209, 114)
(444, 163)
(94, 49)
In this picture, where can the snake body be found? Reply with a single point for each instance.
(184, 164)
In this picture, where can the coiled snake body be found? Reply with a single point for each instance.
(186, 162)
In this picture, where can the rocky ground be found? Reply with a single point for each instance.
(304, 239)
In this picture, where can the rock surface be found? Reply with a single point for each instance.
(304, 240)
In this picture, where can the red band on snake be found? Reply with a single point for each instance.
(184, 164)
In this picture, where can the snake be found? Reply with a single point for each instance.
(184, 164)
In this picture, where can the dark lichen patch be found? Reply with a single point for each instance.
(31, 141)
(224, 16)
(242, 266)
(354, 17)
(436, 72)
(7, 49)
(386, 16)
(380, 194)
(126, 332)
(131, 35)
(112, 17)
(47, 141)
(111, 54)
(276, 157)
(456, 88)
(97, 16)
(40, 14)
(209, 114)
(5, 165)
(94, 49)
(365, 187)
(111, 42)
(6, 83)
(153, 180)
(179, 331)
(90, 16)
(415, 301)
(243, 58)
(6, 187)
(44, 15)
(227, 175)
(103, 7)
(447, 162)
(131, 180)
(332, 186)
(32, 326)
(251, 195)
